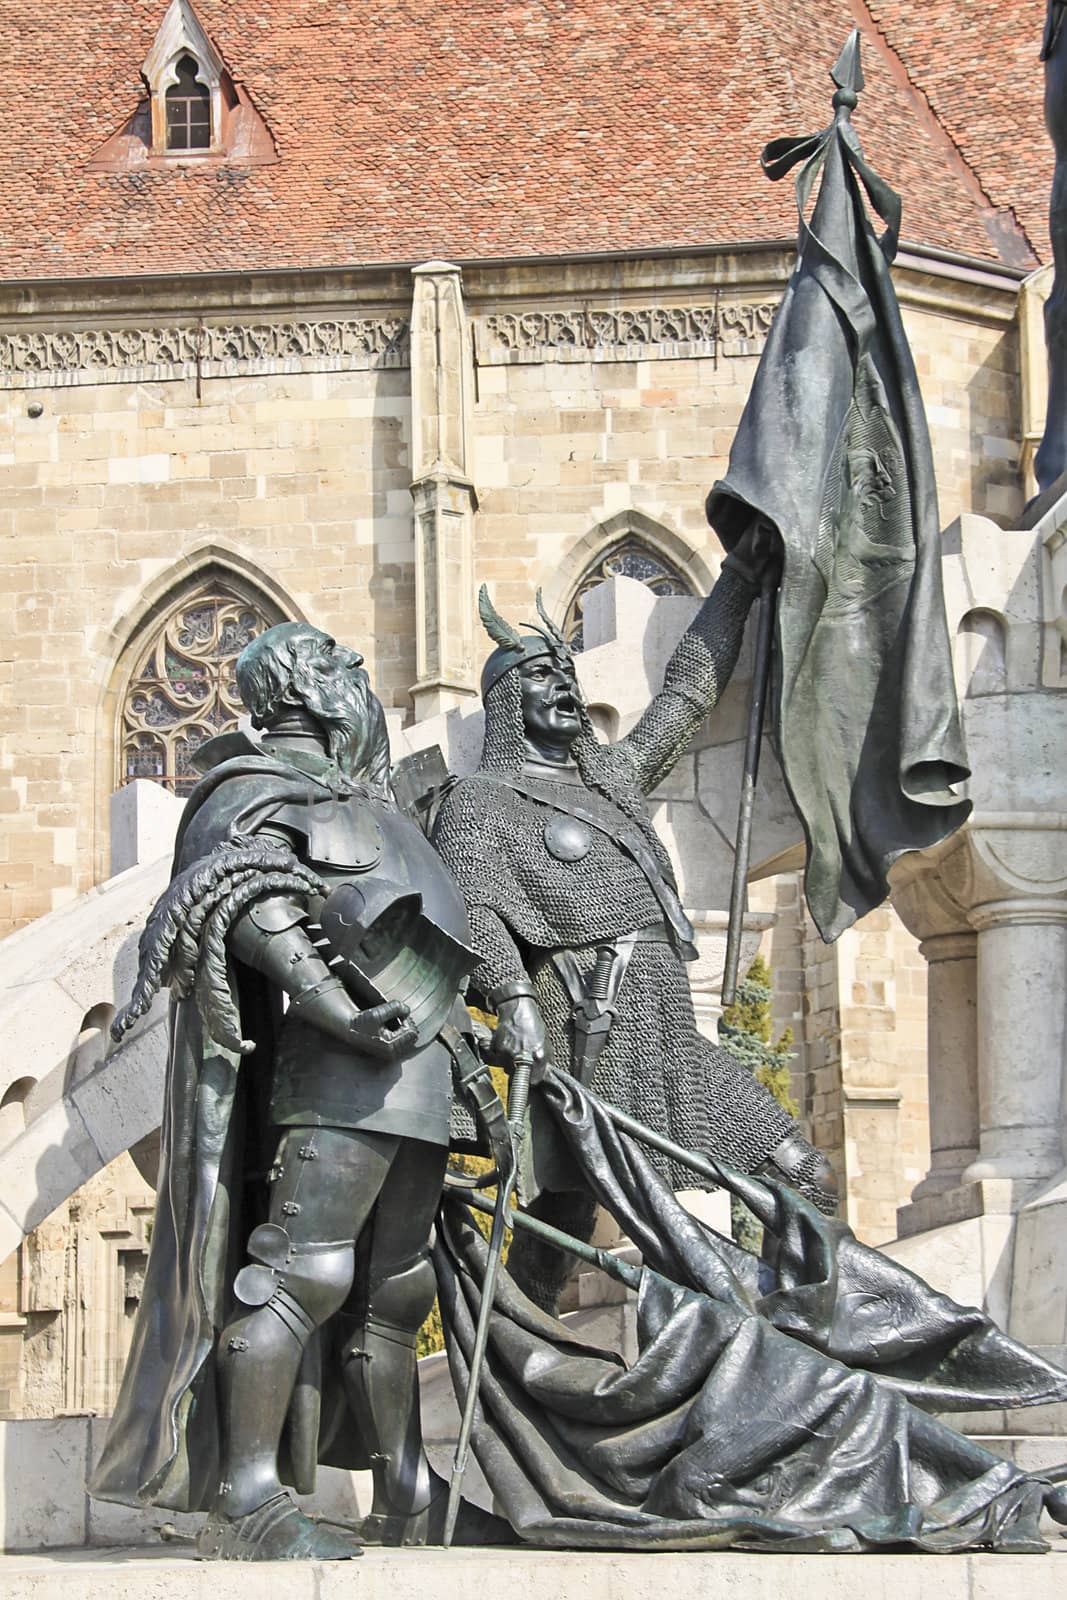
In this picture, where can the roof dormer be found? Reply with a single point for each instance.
(195, 114)
(187, 81)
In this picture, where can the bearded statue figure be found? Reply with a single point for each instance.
(314, 946)
(581, 938)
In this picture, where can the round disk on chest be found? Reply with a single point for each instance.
(567, 839)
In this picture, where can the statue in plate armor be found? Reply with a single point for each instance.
(575, 915)
(315, 946)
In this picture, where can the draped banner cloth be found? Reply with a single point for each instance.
(833, 450)
(779, 1404)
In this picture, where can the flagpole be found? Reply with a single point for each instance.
(761, 674)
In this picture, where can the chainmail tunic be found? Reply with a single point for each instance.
(523, 903)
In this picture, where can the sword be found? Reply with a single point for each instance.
(518, 1094)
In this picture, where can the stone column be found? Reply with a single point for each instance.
(952, 1045)
(990, 906)
(1033, 370)
(1022, 1031)
(930, 893)
(444, 496)
(706, 972)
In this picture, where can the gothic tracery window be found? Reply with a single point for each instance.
(630, 558)
(183, 690)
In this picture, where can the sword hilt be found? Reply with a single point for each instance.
(519, 1093)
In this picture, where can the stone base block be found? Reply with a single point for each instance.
(990, 1197)
(1009, 1256)
(537, 1575)
(1039, 1300)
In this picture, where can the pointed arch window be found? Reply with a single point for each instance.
(629, 558)
(182, 690)
(188, 109)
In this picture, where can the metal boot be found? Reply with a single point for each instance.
(381, 1383)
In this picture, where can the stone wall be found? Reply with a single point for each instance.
(78, 1285)
(267, 424)
(125, 467)
(858, 1014)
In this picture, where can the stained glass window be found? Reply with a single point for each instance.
(183, 690)
(629, 559)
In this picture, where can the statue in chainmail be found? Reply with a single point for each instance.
(315, 948)
(581, 938)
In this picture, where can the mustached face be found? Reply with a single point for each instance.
(551, 705)
(335, 689)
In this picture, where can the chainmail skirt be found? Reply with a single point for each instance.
(659, 1068)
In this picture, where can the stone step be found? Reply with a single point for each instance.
(44, 1465)
(137, 1574)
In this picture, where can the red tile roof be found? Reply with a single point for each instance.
(977, 65)
(478, 128)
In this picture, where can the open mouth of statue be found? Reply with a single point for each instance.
(566, 704)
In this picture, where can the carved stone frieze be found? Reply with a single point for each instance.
(30, 358)
(604, 334)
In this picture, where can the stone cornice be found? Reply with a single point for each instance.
(720, 327)
(32, 358)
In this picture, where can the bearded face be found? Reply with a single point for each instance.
(295, 670)
(330, 681)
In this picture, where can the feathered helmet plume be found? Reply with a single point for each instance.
(514, 648)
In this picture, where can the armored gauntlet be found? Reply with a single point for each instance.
(272, 937)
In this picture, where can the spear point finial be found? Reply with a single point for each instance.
(847, 73)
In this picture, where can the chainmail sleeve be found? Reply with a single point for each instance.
(499, 960)
(473, 841)
(696, 675)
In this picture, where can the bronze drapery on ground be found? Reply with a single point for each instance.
(783, 1406)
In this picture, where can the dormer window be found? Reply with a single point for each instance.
(195, 113)
(188, 110)
(191, 92)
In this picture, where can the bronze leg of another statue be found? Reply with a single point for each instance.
(393, 1296)
(540, 1270)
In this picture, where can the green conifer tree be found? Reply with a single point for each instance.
(747, 1031)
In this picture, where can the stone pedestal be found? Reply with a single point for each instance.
(988, 1223)
(148, 1574)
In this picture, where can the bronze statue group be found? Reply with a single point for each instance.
(317, 948)
(320, 952)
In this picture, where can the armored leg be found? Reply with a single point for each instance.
(393, 1297)
(540, 1270)
(302, 1263)
(296, 1292)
